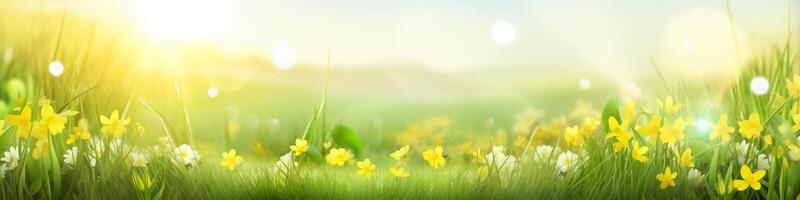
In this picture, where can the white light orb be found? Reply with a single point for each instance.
(503, 33)
(283, 56)
(688, 46)
(213, 92)
(56, 68)
(759, 85)
(703, 125)
(584, 84)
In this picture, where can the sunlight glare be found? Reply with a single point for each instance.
(182, 19)
(283, 56)
(503, 33)
(56, 68)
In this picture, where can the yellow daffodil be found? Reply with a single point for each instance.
(651, 129)
(21, 121)
(50, 119)
(400, 154)
(628, 112)
(795, 119)
(435, 157)
(672, 133)
(749, 179)
(638, 152)
(300, 146)
(685, 159)
(724, 189)
(589, 126)
(365, 168)
(793, 86)
(620, 132)
(80, 132)
(399, 172)
(230, 159)
(722, 130)
(478, 157)
(667, 178)
(338, 156)
(42, 149)
(114, 125)
(671, 107)
(573, 136)
(751, 127)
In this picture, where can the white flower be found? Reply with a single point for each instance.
(165, 141)
(139, 160)
(186, 155)
(11, 158)
(695, 177)
(2, 171)
(743, 146)
(764, 162)
(794, 154)
(503, 161)
(543, 152)
(566, 161)
(71, 156)
(285, 163)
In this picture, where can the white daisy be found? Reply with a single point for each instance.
(139, 160)
(503, 161)
(11, 158)
(543, 152)
(71, 156)
(566, 161)
(186, 155)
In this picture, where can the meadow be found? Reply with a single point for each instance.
(89, 111)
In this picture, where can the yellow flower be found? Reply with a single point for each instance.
(399, 172)
(338, 156)
(723, 188)
(749, 179)
(230, 159)
(795, 118)
(589, 126)
(143, 182)
(38, 131)
(793, 86)
(80, 132)
(54, 122)
(620, 132)
(42, 149)
(685, 159)
(628, 112)
(400, 154)
(670, 107)
(572, 136)
(259, 150)
(651, 129)
(300, 146)
(638, 153)
(670, 134)
(722, 130)
(114, 125)
(435, 157)
(751, 127)
(365, 168)
(667, 178)
(478, 157)
(768, 140)
(326, 145)
(22, 121)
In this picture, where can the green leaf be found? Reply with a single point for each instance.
(35, 187)
(611, 109)
(346, 137)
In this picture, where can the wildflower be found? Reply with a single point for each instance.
(695, 177)
(671, 108)
(11, 157)
(21, 121)
(794, 151)
(230, 159)
(3, 171)
(722, 130)
(139, 159)
(723, 188)
(42, 149)
(572, 136)
(399, 172)
(300, 146)
(670, 134)
(259, 150)
(743, 149)
(638, 153)
(628, 111)
(589, 126)
(751, 127)
(795, 118)
(80, 132)
(400, 154)
(650, 130)
(619, 132)
(186, 155)
(499, 159)
(667, 178)
(326, 145)
(284, 164)
(142, 182)
(71, 156)
(566, 160)
(338, 156)
(793, 86)
(365, 168)
(114, 125)
(749, 179)
(763, 161)
(543, 152)
(685, 158)
(477, 157)
(435, 157)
